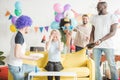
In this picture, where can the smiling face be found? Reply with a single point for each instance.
(85, 19)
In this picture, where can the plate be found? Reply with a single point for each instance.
(37, 54)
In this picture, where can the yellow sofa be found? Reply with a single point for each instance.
(72, 62)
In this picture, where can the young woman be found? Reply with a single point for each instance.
(66, 32)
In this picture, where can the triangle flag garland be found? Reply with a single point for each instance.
(46, 28)
(7, 13)
(41, 29)
(36, 29)
(10, 17)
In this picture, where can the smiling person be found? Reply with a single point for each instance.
(83, 31)
(105, 25)
(66, 32)
(18, 49)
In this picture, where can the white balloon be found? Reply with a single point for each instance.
(69, 14)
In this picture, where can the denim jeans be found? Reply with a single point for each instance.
(109, 53)
(19, 72)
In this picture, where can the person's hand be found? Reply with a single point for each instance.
(59, 38)
(69, 35)
(35, 57)
(98, 42)
(66, 31)
(61, 46)
(51, 37)
(87, 38)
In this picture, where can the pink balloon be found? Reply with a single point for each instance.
(13, 20)
(58, 8)
(72, 47)
(67, 7)
(58, 17)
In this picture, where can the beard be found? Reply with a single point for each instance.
(100, 12)
(84, 23)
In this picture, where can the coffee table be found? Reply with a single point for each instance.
(32, 74)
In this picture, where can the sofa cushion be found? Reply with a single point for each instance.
(81, 71)
(76, 59)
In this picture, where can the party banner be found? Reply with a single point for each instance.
(46, 28)
(36, 29)
(10, 17)
(41, 29)
(7, 13)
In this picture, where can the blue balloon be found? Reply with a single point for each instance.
(17, 5)
(54, 25)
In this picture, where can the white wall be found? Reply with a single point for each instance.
(42, 13)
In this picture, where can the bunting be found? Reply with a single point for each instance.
(36, 29)
(46, 28)
(7, 13)
(10, 17)
(41, 29)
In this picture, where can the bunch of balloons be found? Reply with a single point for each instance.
(61, 12)
(12, 26)
(18, 12)
(18, 9)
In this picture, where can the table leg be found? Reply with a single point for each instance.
(28, 77)
(75, 77)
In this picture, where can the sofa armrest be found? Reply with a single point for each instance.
(91, 66)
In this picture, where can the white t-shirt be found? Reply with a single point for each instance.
(54, 54)
(81, 34)
(17, 38)
(102, 24)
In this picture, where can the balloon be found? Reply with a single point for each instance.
(74, 22)
(13, 28)
(54, 25)
(69, 14)
(13, 20)
(55, 13)
(58, 17)
(18, 12)
(72, 47)
(67, 7)
(58, 8)
(17, 5)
